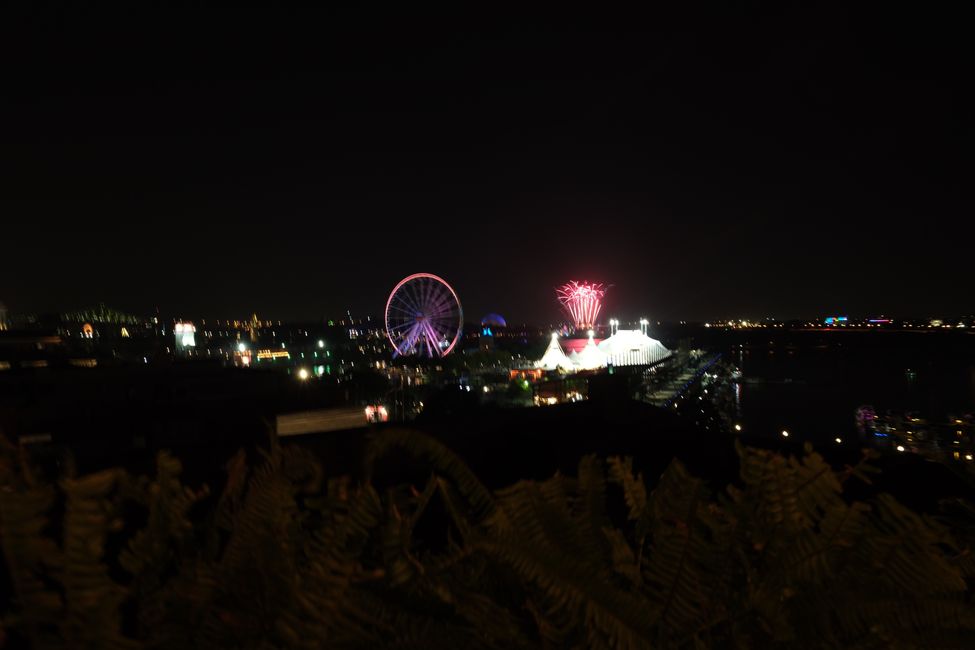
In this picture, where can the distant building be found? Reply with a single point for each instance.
(100, 315)
(494, 320)
(486, 340)
(254, 328)
(490, 326)
(29, 349)
(185, 336)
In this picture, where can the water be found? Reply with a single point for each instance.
(811, 384)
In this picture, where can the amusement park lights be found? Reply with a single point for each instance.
(582, 302)
(423, 316)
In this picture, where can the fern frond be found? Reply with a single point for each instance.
(589, 508)
(634, 493)
(33, 561)
(443, 461)
(92, 617)
(625, 562)
(567, 584)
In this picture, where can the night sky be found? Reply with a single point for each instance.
(211, 163)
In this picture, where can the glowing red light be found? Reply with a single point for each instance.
(582, 302)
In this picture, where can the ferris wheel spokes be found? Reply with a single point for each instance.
(423, 316)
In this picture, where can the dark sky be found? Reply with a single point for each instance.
(707, 164)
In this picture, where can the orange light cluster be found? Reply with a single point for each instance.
(273, 354)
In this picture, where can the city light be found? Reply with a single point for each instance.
(241, 347)
(900, 447)
(321, 343)
(378, 413)
(737, 427)
(785, 434)
(582, 302)
(273, 354)
(839, 441)
(185, 335)
(303, 374)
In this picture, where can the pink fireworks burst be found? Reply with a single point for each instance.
(582, 301)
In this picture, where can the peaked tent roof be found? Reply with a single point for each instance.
(591, 357)
(554, 357)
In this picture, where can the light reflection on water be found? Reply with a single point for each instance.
(813, 389)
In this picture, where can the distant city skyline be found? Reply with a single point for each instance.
(558, 317)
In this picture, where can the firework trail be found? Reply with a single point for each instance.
(582, 302)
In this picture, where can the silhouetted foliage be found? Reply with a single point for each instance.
(285, 557)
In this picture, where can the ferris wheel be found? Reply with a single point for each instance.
(423, 316)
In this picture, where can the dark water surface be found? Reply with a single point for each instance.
(811, 383)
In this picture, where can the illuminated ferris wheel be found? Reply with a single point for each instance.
(423, 316)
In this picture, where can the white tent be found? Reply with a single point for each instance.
(554, 358)
(591, 357)
(632, 348)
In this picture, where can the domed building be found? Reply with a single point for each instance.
(494, 320)
(490, 325)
